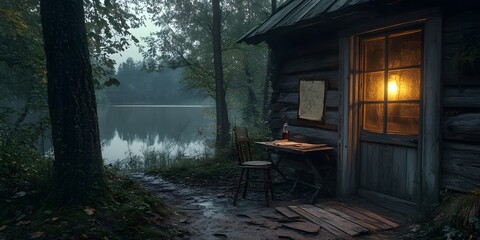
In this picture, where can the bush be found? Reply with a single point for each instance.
(22, 169)
(459, 217)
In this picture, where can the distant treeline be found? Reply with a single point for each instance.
(138, 86)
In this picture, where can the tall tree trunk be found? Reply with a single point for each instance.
(268, 75)
(250, 112)
(78, 173)
(223, 125)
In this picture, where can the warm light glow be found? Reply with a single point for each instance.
(392, 87)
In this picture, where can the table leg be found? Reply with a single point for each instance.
(319, 185)
(275, 166)
(297, 179)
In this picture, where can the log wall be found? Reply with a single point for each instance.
(460, 166)
(317, 60)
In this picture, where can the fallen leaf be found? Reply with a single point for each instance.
(21, 223)
(21, 217)
(3, 227)
(19, 194)
(89, 210)
(37, 235)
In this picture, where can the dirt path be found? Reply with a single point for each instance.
(202, 213)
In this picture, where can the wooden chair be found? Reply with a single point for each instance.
(246, 163)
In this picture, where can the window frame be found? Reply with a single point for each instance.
(386, 35)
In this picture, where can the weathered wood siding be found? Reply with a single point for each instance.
(313, 60)
(318, 59)
(390, 170)
(460, 166)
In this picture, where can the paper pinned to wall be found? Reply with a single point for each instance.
(311, 104)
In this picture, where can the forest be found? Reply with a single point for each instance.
(139, 86)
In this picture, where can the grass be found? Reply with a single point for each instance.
(459, 216)
(456, 218)
(132, 213)
(210, 171)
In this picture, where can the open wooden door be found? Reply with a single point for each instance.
(389, 122)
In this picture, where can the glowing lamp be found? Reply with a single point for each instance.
(392, 87)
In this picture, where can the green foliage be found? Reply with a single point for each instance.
(215, 171)
(108, 29)
(22, 168)
(131, 213)
(456, 218)
(212, 170)
(184, 39)
(22, 58)
(459, 216)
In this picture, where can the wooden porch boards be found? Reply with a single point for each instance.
(342, 220)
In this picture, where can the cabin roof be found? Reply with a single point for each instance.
(295, 13)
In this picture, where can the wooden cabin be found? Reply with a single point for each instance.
(401, 97)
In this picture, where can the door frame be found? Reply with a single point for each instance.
(430, 130)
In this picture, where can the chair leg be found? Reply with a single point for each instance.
(266, 186)
(237, 191)
(269, 172)
(247, 176)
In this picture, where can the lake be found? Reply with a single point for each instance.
(132, 129)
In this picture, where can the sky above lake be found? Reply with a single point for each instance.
(133, 51)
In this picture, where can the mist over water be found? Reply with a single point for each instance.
(152, 111)
(132, 129)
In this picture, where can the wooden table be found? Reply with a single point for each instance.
(311, 154)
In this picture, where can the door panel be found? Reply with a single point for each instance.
(389, 170)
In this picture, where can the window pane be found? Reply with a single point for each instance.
(405, 49)
(374, 54)
(374, 86)
(373, 117)
(404, 84)
(403, 118)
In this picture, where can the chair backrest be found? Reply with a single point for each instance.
(242, 144)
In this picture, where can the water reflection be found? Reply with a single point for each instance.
(128, 129)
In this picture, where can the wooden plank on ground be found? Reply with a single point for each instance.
(332, 229)
(372, 215)
(360, 222)
(306, 227)
(287, 212)
(348, 227)
(359, 216)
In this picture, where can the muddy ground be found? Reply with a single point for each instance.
(207, 213)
